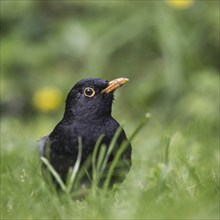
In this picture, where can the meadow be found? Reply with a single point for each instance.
(170, 53)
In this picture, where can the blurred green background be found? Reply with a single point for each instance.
(170, 52)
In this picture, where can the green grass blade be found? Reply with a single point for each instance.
(111, 147)
(94, 155)
(114, 163)
(139, 127)
(167, 149)
(101, 157)
(83, 171)
(95, 164)
(76, 166)
(122, 148)
(54, 173)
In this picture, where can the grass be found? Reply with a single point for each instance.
(178, 179)
(171, 57)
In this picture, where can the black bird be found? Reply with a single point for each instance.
(87, 115)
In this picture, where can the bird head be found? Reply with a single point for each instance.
(92, 98)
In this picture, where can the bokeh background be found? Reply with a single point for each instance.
(168, 49)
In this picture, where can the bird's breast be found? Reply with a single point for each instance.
(90, 131)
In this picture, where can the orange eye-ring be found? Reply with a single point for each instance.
(89, 92)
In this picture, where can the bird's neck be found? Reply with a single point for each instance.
(86, 117)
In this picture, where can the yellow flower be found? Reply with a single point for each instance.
(47, 99)
(180, 4)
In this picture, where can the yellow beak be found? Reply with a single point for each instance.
(114, 84)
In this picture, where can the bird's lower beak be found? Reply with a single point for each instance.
(114, 84)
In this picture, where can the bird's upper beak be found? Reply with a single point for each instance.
(114, 84)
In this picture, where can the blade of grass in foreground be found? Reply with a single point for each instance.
(100, 162)
(66, 188)
(121, 150)
(167, 149)
(54, 173)
(101, 158)
(111, 147)
(76, 167)
(94, 155)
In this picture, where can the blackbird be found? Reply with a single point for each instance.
(88, 116)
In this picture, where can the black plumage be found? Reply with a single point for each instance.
(87, 115)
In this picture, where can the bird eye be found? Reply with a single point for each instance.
(89, 92)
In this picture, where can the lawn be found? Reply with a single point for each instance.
(170, 52)
(173, 176)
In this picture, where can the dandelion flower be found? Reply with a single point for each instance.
(47, 99)
(180, 4)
